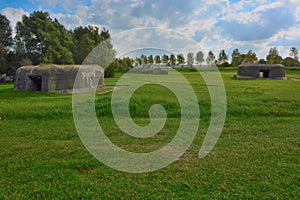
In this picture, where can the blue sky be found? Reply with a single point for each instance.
(214, 25)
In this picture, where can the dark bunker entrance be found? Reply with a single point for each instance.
(264, 73)
(36, 81)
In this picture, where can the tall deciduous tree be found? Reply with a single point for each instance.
(138, 61)
(262, 61)
(199, 57)
(294, 53)
(250, 57)
(103, 55)
(165, 59)
(144, 59)
(289, 61)
(157, 59)
(3, 54)
(190, 58)
(5, 32)
(5, 42)
(236, 58)
(222, 58)
(210, 59)
(150, 59)
(43, 39)
(180, 58)
(86, 39)
(172, 60)
(273, 57)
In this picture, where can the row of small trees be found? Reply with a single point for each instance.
(237, 58)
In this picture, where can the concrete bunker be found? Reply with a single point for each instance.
(59, 78)
(261, 71)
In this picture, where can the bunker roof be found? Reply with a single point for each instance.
(261, 65)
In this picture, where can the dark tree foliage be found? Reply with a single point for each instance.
(5, 43)
(144, 59)
(289, 61)
(262, 61)
(180, 58)
(111, 69)
(138, 61)
(157, 59)
(190, 58)
(40, 39)
(222, 59)
(3, 56)
(236, 58)
(250, 57)
(86, 39)
(273, 57)
(125, 64)
(165, 59)
(294, 53)
(5, 32)
(210, 59)
(200, 57)
(44, 40)
(172, 60)
(150, 59)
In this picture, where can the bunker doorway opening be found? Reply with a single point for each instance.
(36, 81)
(264, 73)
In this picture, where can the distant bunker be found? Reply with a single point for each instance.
(59, 78)
(261, 71)
(156, 71)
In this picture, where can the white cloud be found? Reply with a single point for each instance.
(136, 3)
(67, 5)
(296, 5)
(265, 7)
(13, 15)
(239, 5)
(260, 22)
(252, 21)
(216, 24)
(70, 21)
(237, 13)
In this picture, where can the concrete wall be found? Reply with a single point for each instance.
(254, 70)
(59, 78)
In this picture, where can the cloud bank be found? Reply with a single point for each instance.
(215, 24)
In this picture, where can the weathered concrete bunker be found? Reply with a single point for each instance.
(264, 71)
(59, 78)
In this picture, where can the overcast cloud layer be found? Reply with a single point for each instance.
(214, 24)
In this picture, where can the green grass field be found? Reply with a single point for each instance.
(256, 157)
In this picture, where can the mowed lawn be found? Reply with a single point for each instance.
(256, 157)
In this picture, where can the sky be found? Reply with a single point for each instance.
(178, 26)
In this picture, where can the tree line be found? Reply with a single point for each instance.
(222, 60)
(39, 39)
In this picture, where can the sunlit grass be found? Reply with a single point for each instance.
(256, 157)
